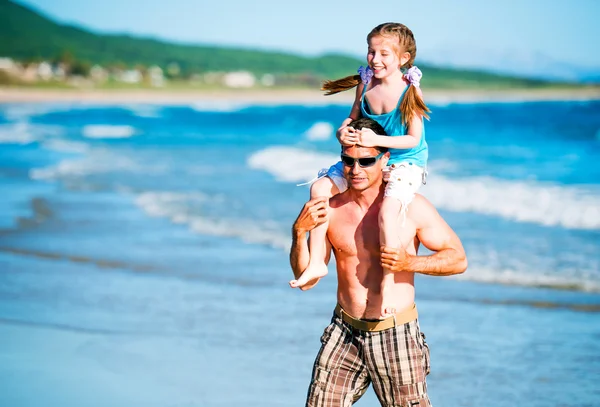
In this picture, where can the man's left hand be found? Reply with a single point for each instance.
(394, 259)
(312, 215)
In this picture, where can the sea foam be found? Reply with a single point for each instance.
(186, 208)
(18, 133)
(65, 146)
(108, 131)
(177, 207)
(96, 161)
(571, 207)
(319, 131)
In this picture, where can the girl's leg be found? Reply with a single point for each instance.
(388, 236)
(317, 241)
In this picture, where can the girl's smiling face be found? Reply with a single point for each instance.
(384, 56)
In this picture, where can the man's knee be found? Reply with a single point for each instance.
(333, 390)
(412, 395)
(403, 395)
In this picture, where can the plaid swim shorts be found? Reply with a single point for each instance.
(395, 360)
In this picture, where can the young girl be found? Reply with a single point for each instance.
(387, 92)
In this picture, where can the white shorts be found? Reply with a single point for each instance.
(405, 180)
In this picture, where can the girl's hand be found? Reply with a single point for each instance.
(347, 136)
(386, 173)
(367, 138)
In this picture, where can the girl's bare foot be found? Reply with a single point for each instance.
(312, 272)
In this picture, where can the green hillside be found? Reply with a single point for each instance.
(26, 35)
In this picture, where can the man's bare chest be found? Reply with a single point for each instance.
(354, 234)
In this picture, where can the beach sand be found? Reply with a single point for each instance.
(282, 96)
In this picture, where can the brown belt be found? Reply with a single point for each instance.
(401, 318)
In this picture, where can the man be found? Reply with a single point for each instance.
(359, 347)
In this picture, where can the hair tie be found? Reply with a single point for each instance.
(366, 73)
(413, 76)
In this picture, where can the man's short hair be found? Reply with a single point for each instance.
(370, 124)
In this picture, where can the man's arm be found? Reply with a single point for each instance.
(435, 234)
(312, 215)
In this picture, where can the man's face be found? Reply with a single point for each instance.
(361, 178)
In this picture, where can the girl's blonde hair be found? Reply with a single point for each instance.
(412, 103)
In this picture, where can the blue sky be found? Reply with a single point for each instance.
(546, 33)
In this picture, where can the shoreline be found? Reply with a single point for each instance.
(281, 96)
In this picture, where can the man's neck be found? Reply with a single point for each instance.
(364, 199)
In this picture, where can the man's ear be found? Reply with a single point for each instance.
(386, 157)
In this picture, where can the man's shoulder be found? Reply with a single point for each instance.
(421, 207)
(339, 200)
(421, 200)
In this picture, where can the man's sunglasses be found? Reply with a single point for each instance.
(363, 161)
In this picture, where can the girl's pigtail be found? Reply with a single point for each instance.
(340, 85)
(413, 105)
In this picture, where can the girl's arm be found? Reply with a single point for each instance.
(355, 111)
(312, 215)
(341, 134)
(368, 138)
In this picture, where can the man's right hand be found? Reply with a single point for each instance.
(313, 214)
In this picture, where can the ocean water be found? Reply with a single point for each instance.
(143, 254)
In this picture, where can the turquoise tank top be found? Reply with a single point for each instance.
(393, 126)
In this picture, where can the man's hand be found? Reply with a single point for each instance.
(347, 136)
(313, 214)
(395, 259)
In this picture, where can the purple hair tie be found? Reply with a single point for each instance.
(413, 76)
(366, 73)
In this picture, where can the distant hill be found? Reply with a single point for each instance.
(28, 35)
